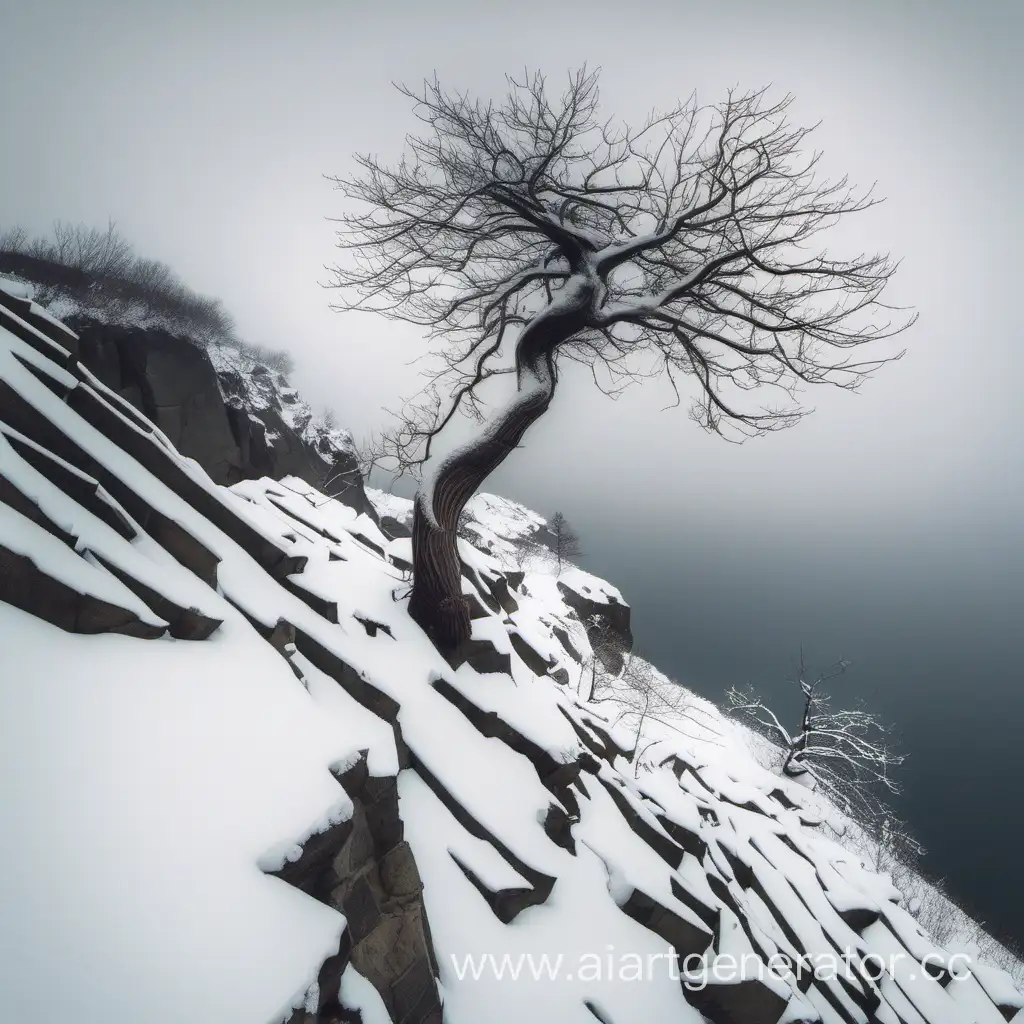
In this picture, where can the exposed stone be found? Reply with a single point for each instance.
(25, 586)
(54, 330)
(94, 410)
(51, 443)
(498, 586)
(364, 868)
(366, 542)
(477, 609)
(602, 618)
(305, 522)
(380, 893)
(45, 376)
(556, 776)
(744, 1002)
(399, 563)
(685, 937)
(542, 883)
(666, 848)
(534, 662)
(393, 528)
(597, 1013)
(81, 489)
(506, 904)
(355, 684)
(183, 623)
(686, 838)
(173, 383)
(595, 737)
(482, 655)
(16, 325)
(321, 605)
(309, 871)
(563, 638)
(709, 915)
(558, 828)
(515, 578)
(779, 796)
(560, 676)
(859, 918)
(480, 588)
(281, 637)
(14, 498)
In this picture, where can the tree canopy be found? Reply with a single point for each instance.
(521, 233)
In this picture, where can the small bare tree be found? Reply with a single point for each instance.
(95, 251)
(338, 479)
(533, 231)
(565, 543)
(13, 240)
(843, 753)
(643, 695)
(607, 656)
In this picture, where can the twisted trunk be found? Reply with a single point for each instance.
(436, 601)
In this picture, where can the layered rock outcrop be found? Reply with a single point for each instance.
(239, 423)
(232, 689)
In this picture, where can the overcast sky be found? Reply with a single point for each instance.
(888, 523)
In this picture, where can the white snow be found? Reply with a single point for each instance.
(152, 782)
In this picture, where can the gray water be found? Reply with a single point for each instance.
(934, 643)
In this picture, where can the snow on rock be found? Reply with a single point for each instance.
(391, 506)
(16, 287)
(495, 524)
(277, 801)
(218, 402)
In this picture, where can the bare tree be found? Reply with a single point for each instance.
(13, 240)
(338, 479)
(107, 278)
(94, 251)
(845, 754)
(565, 542)
(643, 695)
(529, 232)
(151, 275)
(607, 655)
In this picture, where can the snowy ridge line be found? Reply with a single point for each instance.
(263, 425)
(330, 816)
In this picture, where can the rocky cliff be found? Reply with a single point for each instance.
(244, 788)
(236, 416)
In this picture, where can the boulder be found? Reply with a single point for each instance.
(170, 381)
(605, 621)
(24, 585)
(207, 415)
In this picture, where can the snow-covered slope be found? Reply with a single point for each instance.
(243, 787)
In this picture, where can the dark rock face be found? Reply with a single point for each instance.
(172, 383)
(607, 625)
(25, 586)
(365, 868)
(394, 528)
(204, 414)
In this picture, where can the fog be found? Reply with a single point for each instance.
(885, 528)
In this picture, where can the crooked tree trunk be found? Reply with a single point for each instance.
(436, 601)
